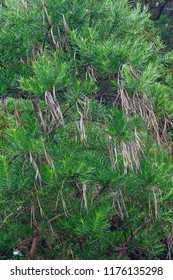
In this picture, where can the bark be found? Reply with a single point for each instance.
(34, 246)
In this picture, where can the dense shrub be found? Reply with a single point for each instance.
(85, 132)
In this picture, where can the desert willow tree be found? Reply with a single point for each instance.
(85, 132)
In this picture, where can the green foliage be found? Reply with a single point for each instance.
(161, 13)
(47, 72)
(85, 131)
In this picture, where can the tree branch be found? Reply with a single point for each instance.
(124, 246)
(161, 8)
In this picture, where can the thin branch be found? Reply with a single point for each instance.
(99, 191)
(124, 246)
(6, 218)
(160, 10)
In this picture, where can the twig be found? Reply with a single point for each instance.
(55, 217)
(99, 191)
(6, 218)
(52, 229)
